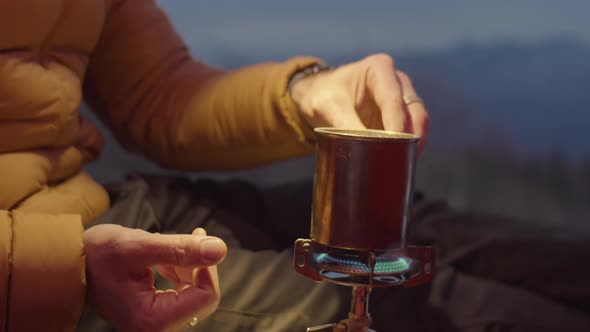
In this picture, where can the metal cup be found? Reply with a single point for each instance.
(362, 188)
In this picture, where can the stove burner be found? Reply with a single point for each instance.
(403, 266)
(385, 264)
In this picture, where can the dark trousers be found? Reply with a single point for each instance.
(493, 273)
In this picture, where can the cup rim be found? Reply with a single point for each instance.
(367, 134)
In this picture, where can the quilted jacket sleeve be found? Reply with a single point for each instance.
(182, 113)
(42, 262)
(43, 255)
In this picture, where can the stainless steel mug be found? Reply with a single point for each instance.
(362, 188)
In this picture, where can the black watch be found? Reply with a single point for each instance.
(305, 72)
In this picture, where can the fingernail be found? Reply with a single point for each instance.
(200, 231)
(212, 249)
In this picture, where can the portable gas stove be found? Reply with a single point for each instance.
(362, 188)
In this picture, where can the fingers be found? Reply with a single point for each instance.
(337, 112)
(348, 118)
(181, 276)
(168, 272)
(121, 282)
(212, 269)
(197, 301)
(386, 90)
(187, 274)
(208, 276)
(197, 292)
(416, 110)
(146, 249)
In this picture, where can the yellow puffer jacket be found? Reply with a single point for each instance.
(125, 60)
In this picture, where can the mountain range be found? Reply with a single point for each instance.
(528, 100)
(532, 96)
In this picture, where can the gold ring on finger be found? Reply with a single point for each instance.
(412, 99)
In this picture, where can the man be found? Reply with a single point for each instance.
(124, 59)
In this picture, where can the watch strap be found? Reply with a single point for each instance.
(305, 72)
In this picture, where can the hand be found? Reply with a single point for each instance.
(120, 280)
(364, 94)
(182, 276)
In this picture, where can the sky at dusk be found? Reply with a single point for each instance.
(323, 27)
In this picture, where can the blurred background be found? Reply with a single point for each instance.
(507, 84)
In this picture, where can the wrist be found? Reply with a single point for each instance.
(306, 72)
(302, 81)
